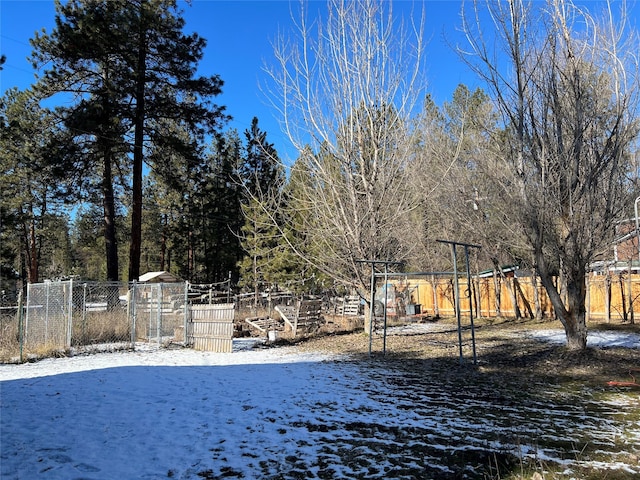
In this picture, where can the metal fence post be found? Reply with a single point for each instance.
(70, 314)
(159, 314)
(47, 288)
(21, 322)
(84, 311)
(131, 300)
(187, 310)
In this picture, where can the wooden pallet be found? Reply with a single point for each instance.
(264, 324)
(350, 306)
(211, 327)
(306, 315)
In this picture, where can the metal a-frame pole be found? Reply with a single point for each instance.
(466, 246)
(373, 292)
(386, 291)
(373, 263)
(470, 294)
(456, 297)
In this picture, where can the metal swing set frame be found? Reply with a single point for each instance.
(457, 299)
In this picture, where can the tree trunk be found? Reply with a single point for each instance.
(536, 295)
(109, 219)
(138, 156)
(510, 283)
(32, 249)
(525, 302)
(630, 295)
(136, 215)
(497, 288)
(573, 315)
(256, 288)
(163, 243)
(576, 332)
(434, 290)
(623, 298)
(574, 318)
(477, 297)
(190, 247)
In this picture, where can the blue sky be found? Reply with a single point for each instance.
(240, 35)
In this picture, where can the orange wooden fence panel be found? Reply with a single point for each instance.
(610, 297)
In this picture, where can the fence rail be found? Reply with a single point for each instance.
(58, 317)
(613, 297)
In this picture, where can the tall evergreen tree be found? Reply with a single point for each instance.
(262, 177)
(83, 59)
(28, 197)
(88, 244)
(224, 217)
(261, 170)
(134, 71)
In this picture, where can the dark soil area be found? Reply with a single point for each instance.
(532, 392)
(505, 348)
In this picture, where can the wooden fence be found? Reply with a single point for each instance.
(613, 297)
(210, 327)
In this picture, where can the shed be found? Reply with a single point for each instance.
(158, 277)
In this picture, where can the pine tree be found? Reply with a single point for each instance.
(223, 214)
(134, 71)
(261, 177)
(29, 200)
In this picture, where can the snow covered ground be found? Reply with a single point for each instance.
(278, 413)
(594, 339)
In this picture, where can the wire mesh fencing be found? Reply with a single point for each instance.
(9, 332)
(159, 311)
(59, 318)
(83, 316)
(99, 316)
(48, 317)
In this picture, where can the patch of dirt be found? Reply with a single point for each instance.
(504, 348)
(542, 390)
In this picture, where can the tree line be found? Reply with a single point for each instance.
(538, 166)
(135, 155)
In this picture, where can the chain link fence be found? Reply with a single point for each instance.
(158, 313)
(58, 318)
(79, 316)
(9, 333)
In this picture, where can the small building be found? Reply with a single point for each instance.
(158, 277)
(623, 253)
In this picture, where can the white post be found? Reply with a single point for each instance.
(187, 311)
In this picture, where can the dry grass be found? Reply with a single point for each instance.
(101, 327)
(92, 329)
(512, 365)
(502, 346)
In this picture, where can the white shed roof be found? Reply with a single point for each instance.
(158, 277)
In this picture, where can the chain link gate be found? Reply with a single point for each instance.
(158, 311)
(48, 317)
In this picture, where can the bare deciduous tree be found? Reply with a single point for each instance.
(565, 83)
(346, 89)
